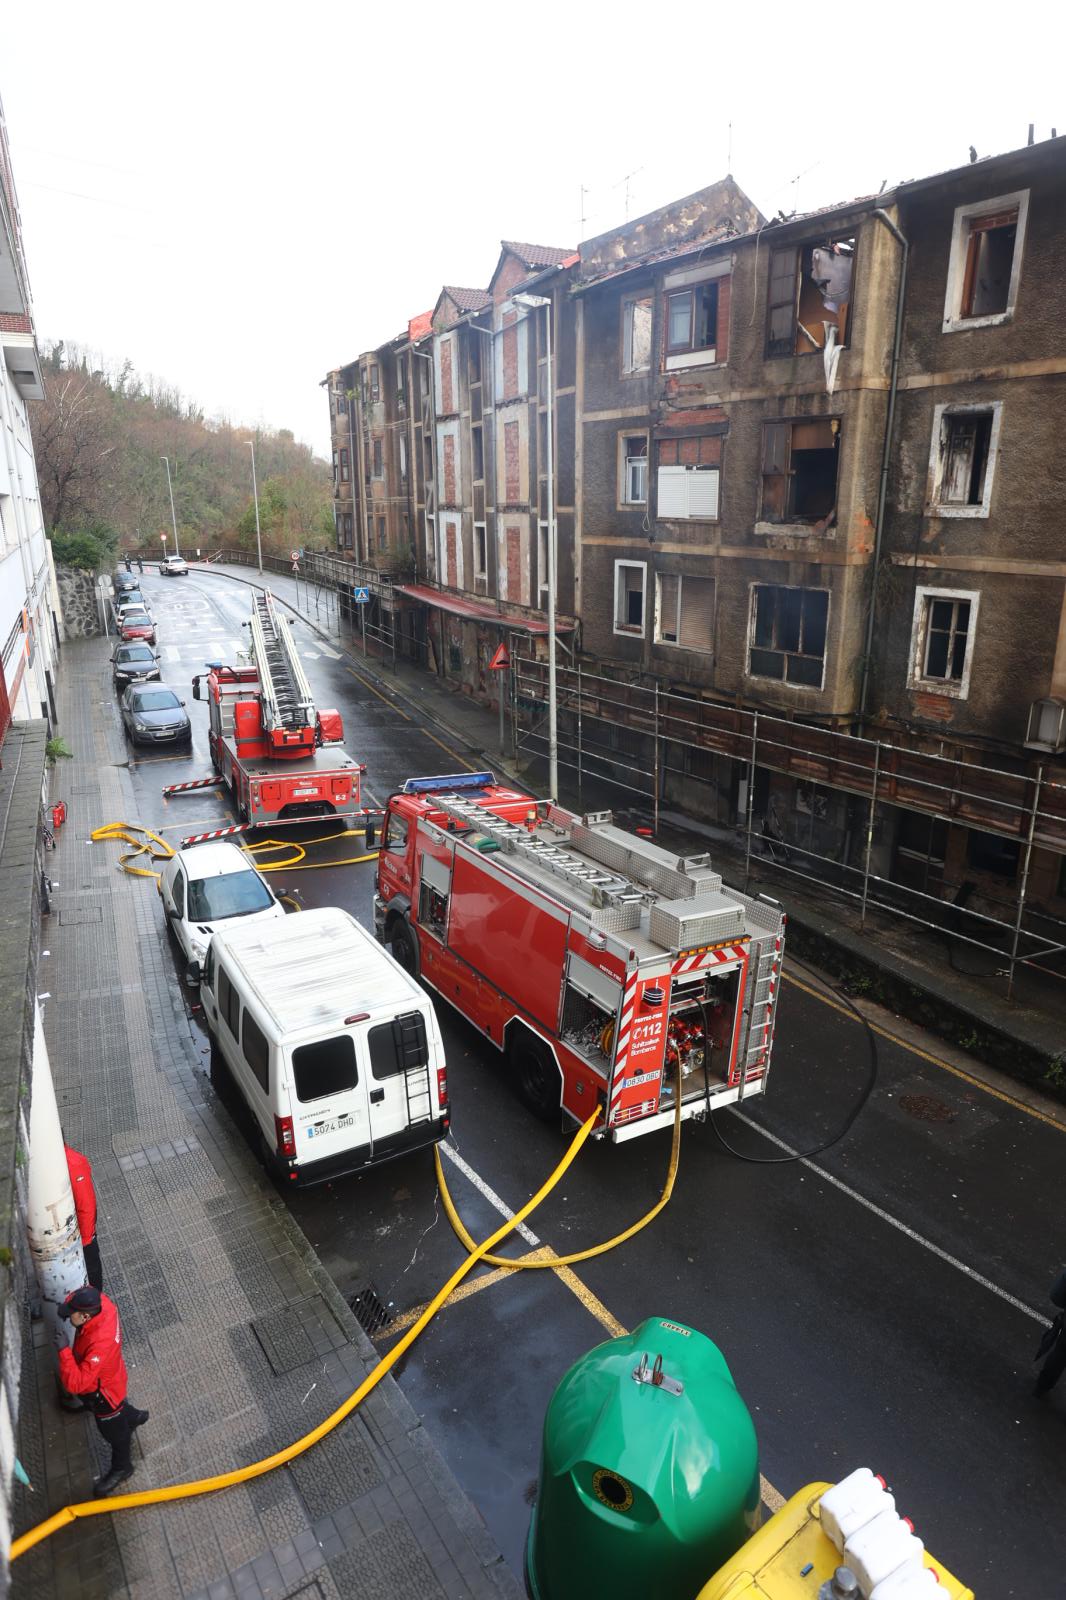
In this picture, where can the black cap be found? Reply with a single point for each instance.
(84, 1299)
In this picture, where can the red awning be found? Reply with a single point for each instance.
(478, 610)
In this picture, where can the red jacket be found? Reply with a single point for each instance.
(81, 1183)
(96, 1359)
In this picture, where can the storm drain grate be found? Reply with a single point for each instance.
(371, 1312)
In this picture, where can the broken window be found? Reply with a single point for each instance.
(986, 244)
(401, 384)
(336, 469)
(344, 465)
(375, 381)
(692, 318)
(688, 478)
(342, 404)
(636, 334)
(788, 632)
(377, 459)
(809, 296)
(481, 551)
(962, 467)
(799, 472)
(477, 453)
(947, 633)
(629, 577)
(685, 611)
(634, 463)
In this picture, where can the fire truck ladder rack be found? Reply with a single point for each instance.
(606, 889)
(287, 700)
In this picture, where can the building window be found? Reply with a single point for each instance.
(684, 611)
(474, 355)
(366, 458)
(942, 636)
(633, 469)
(481, 552)
(630, 578)
(336, 469)
(346, 529)
(542, 562)
(401, 383)
(692, 319)
(636, 334)
(346, 471)
(799, 471)
(961, 466)
(788, 631)
(342, 404)
(377, 459)
(403, 458)
(687, 480)
(985, 262)
(809, 297)
(362, 383)
(383, 538)
(375, 382)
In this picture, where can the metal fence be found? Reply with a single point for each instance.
(327, 590)
(851, 795)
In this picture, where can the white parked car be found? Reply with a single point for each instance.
(173, 567)
(211, 885)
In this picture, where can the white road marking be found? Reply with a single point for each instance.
(483, 1188)
(334, 655)
(894, 1222)
(309, 655)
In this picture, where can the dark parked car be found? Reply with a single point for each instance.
(153, 714)
(133, 663)
(123, 580)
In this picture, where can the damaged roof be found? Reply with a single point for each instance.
(420, 326)
(536, 255)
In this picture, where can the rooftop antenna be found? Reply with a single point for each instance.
(584, 192)
(625, 180)
(729, 157)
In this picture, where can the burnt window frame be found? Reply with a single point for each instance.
(762, 647)
(918, 677)
(789, 517)
(626, 306)
(773, 348)
(938, 459)
(962, 232)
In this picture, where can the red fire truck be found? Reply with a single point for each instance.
(279, 755)
(606, 968)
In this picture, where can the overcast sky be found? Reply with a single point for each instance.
(238, 197)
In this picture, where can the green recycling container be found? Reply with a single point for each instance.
(649, 1473)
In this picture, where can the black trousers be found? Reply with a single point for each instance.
(119, 1435)
(92, 1263)
(1054, 1366)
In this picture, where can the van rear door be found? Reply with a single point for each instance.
(330, 1104)
(401, 1060)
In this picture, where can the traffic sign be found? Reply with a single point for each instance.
(362, 596)
(294, 555)
(501, 660)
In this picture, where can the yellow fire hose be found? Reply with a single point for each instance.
(579, 1255)
(185, 1491)
(157, 849)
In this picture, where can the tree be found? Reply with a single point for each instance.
(74, 445)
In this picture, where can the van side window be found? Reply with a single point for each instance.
(396, 833)
(208, 975)
(256, 1050)
(398, 1045)
(229, 1002)
(325, 1067)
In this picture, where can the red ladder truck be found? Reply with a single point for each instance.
(606, 968)
(280, 757)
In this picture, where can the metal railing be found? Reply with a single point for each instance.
(650, 743)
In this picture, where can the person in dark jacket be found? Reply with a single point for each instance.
(1054, 1352)
(94, 1369)
(81, 1184)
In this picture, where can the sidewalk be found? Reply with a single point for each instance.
(914, 971)
(235, 1337)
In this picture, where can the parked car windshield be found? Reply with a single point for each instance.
(134, 652)
(155, 700)
(134, 614)
(235, 894)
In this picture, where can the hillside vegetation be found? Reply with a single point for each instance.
(99, 435)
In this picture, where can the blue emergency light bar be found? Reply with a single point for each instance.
(449, 781)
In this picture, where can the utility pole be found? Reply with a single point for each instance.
(255, 495)
(173, 518)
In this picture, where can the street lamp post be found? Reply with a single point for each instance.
(255, 495)
(533, 302)
(173, 519)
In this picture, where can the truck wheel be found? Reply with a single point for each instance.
(536, 1077)
(404, 946)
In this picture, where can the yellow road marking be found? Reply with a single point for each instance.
(464, 1291)
(935, 1061)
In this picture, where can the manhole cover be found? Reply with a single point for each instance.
(371, 1312)
(926, 1107)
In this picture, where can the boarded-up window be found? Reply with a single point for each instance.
(688, 478)
(447, 395)
(799, 470)
(451, 556)
(512, 467)
(449, 470)
(514, 564)
(685, 611)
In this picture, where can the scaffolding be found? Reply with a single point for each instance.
(649, 741)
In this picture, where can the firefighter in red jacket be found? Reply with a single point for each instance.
(94, 1369)
(81, 1184)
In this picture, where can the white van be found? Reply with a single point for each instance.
(334, 1047)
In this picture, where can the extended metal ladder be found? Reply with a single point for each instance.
(287, 699)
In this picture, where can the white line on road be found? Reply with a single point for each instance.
(490, 1194)
(894, 1222)
(334, 655)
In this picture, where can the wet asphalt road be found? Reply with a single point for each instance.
(875, 1305)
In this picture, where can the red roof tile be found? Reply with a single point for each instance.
(468, 299)
(419, 326)
(536, 255)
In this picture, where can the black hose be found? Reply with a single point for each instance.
(849, 1120)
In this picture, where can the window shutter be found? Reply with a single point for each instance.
(703, 492)
(697, 613)
(673, 492)
(668, 607)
